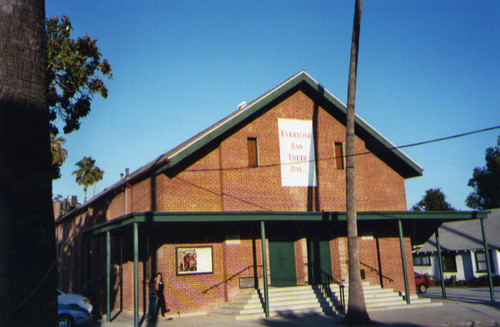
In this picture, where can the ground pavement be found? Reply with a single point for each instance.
(458, 310)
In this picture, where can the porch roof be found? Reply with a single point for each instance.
(424, 222)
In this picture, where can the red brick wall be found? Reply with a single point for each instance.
(214, 185)
(380, 257)
(391, 264)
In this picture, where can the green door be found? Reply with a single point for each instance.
(282, 262)
(319, 260)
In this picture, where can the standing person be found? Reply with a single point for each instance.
(153, 301)
(162, 305)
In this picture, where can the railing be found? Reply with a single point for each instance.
(230, 278)
(326, 281)
(376, 270)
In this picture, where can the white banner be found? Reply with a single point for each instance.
(298, 165)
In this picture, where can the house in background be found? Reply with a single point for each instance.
(462, 250)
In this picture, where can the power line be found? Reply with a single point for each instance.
(356, 154)
(449, 137)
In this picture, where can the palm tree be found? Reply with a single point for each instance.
(356, 309)
(87, 174)
(27, 234)
(59, 154)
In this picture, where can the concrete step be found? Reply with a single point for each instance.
(309, 299)
(280, 303)
(246, 316)
(299, 299)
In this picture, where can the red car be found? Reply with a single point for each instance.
(422, 282)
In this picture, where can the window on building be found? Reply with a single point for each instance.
(253, 158)
(481, 264)
(449, 263)
(421, 260)
(339, 155)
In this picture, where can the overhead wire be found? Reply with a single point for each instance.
(344, 156)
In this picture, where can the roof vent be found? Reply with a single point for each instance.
(242, 105)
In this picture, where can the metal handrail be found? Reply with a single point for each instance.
(326, 285)
(230, 278)
(374, 269)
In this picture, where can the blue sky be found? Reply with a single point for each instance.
(427, 69)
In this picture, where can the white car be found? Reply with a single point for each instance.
(70, 298)
(72, 315)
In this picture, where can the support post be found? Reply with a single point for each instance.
(488, 263)
(136, 274)
(108, 276)
(403, 261)
(264, 267)
(440, 264)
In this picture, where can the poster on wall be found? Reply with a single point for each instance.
(298, 163)
(194, 260)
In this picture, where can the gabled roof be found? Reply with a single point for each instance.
(374, 141)
(394, 156)
(466, 235)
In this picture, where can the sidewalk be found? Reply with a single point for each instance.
(451, 313)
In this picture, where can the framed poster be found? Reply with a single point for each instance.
(194, 260)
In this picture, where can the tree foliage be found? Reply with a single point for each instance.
(433, 200)
(59, 155)
(87, 174)
(486, 182)
(75, 69)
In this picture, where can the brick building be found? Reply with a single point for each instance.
(274, 171)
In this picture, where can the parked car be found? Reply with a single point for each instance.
(76, 299)
(70, 315)
(423, 282)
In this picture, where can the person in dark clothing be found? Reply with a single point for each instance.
(153, 301)
(162, 305)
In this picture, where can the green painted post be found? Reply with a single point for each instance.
(440, 264)
(488, 263)
(264, 267)
(108, 276)
(403, 260)
(136, 275)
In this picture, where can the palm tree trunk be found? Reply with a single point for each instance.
(356, 309)
(27, 239)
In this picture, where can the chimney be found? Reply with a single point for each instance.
(73, 201)
(126, 173)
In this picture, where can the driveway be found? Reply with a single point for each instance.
(475, 295)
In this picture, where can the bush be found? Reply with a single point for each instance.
(483, 281)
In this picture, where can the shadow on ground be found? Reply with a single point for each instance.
(320, 320)
(464, 298)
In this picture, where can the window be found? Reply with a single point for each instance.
(253, 158)
(421, 260)
(481, 265)
(339, 155)
(449, 263)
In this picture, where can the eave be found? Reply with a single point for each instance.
(257, 216)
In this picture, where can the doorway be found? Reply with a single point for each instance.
(319, 260)
(282, 261)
